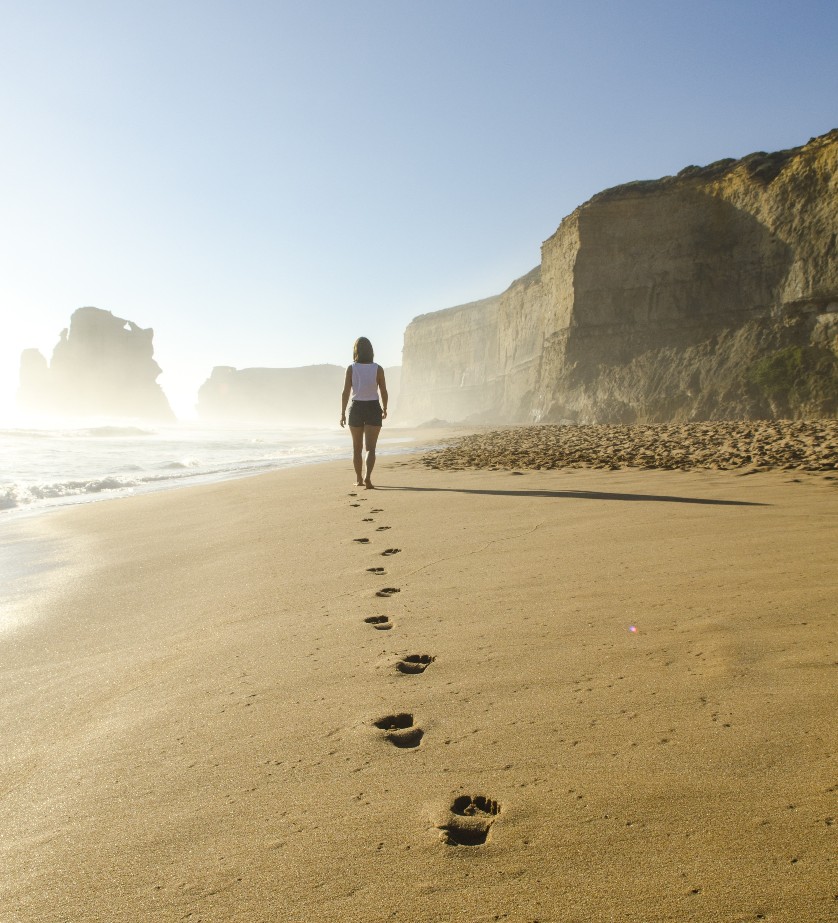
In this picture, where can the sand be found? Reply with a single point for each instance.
(586, 695)
(752, 446)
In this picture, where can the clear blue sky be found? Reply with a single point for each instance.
(262, 182)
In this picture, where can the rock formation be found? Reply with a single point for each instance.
(309, 395)
(708, 295)
(102, 366)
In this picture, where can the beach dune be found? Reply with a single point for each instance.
(573, 695)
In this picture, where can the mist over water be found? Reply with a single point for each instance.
(43, 467)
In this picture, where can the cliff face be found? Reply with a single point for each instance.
(712, 294)
(451, 372)
(304, 396)
(102, 366)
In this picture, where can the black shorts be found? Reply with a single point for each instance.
(365, 413)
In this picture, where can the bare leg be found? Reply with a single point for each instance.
(371, 438)
(357, 445)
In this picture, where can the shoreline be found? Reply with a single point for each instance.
(90, 487)
(29, 549)
(200, 717)
(30, 563)
(750, 446)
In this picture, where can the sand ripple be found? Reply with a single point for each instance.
(810, 445)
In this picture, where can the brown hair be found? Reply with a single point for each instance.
(362, 350)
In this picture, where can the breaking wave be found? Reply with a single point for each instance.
(15, 495)
(45, 468)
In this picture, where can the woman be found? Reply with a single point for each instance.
(364, 380)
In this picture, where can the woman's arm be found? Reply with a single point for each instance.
(344, 398)
(382, 387)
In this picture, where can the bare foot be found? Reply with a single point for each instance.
(368, 485)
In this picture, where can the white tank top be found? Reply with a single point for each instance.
(364, 381)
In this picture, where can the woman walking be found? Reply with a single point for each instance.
(364, 380)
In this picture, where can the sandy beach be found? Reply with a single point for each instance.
(484, 695)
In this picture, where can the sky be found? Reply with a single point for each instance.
(263, 182)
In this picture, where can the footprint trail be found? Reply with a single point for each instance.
(379, 622)
(400, 730)
(469, 820)
(414, 663)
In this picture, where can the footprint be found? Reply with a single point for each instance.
(353, 495)
(375, 570)
(401, 731)
(379, 622)
(354, 504)
(377, 511)
(388, 591)
(363, 541)
(414, 663)
(386, 552)
(382, 528)
(368, 519)
(469, 820)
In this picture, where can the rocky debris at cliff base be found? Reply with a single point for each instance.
(723, 445)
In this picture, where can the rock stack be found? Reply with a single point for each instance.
(102, 366)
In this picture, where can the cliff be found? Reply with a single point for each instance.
(308, 395)
(451, 370)
(708, 295)
(101, 366)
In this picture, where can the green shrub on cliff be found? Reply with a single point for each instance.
(798, 378)
(779, 373)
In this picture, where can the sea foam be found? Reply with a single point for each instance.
(44, 468)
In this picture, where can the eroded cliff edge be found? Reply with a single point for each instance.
(712, 294)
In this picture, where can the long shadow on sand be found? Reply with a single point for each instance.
(578, 495)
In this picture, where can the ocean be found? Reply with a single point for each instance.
(46, 468)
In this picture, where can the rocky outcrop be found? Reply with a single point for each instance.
(101, 366)
(709, 295)
(309, 395)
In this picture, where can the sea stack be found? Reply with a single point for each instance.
(102, 366)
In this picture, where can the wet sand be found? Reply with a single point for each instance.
(561, 695)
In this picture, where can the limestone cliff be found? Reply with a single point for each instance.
(102, 366)
(710, 294)
(450, 372)
(308, 395)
